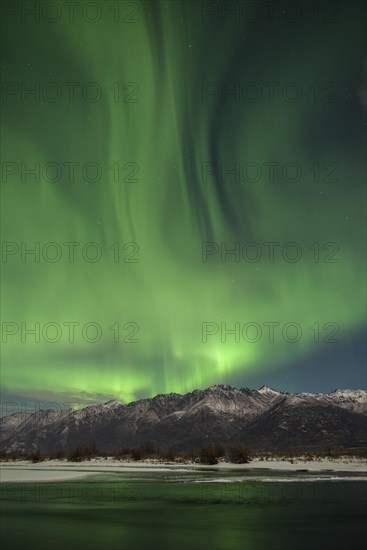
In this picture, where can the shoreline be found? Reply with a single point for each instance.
(61, 470)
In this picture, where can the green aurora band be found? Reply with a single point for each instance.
(169, 212)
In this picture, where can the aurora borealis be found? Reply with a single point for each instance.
(132, 129)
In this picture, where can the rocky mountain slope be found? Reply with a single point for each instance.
(263, 419)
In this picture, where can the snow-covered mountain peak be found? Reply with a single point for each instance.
(265, 390)
(113, 404)
(216, 387)
(356, 394)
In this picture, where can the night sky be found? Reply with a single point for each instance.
(161, 136)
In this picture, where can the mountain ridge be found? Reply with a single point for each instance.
(263, 419)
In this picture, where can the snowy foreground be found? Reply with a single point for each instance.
(59, 470)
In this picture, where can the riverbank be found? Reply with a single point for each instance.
(58, 470)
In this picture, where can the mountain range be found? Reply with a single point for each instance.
(262, 419)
